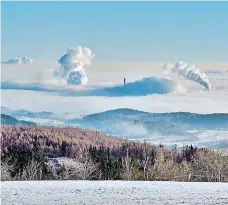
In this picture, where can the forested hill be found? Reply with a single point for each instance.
(8, 120)
(96, 156)
(70, 142)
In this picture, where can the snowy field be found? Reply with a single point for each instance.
(112, 192)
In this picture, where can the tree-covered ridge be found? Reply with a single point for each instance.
(56, 142)
(8, 120)
(100, 157)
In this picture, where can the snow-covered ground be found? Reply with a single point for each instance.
(112, 192)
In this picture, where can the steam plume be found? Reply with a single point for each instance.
(72, 65)
(189, 72)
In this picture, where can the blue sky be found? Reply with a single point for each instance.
(132, 31)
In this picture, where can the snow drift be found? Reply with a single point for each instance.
(18, 60)
(72, 65)
(189, 72)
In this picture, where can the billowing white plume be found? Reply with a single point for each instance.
(189, 72)
(72, 65)
(22, 60)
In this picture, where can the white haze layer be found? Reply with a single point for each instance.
(190, 98)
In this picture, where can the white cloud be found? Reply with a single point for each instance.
(19, 60)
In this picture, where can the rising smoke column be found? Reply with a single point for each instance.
(72, 65)
(189, 72)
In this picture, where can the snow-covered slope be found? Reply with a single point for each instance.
(113, 193)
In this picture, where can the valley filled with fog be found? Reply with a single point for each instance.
(194, 98)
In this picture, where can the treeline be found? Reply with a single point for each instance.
(102, 158)
(145, 162)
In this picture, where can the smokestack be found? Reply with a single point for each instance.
(124, 81)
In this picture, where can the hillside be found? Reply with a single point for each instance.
(57, 141)
(8, 120)
(110, 158)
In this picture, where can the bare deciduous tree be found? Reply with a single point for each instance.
(128, 166)
(33, 171)
(88, 170)
(5, 171)
(210, 166)
(146, 160)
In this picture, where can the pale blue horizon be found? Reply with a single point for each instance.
(142, 31)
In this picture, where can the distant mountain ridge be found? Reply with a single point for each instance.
(214, 119)
(180, 119)
(29, 114)
(120, 121)
(115, 112)
(128, 111)
(8, 120)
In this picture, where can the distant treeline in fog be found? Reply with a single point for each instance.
(49, 153)
(8, 120)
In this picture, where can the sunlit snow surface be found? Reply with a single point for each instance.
(113, 193)
(35, 88)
